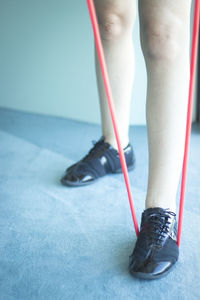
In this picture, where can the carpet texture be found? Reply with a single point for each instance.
(73, 243)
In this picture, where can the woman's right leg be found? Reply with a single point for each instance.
(116, 19)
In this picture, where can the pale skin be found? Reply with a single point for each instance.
(165, 40)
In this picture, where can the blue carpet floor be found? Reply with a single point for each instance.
(74, 243)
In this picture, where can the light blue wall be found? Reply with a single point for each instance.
(47, 60)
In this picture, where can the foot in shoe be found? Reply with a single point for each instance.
(102, 159)
(156, 250)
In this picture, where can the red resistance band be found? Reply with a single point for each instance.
(189, 113)
(106, 80)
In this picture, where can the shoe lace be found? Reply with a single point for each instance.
(159, 227)
(98, 147)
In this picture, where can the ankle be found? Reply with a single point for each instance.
(162, 204)
(112, 141)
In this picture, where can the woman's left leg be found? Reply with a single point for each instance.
(165, 38)
(165, 44)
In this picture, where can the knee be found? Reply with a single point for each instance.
(162, 40)
(114, 25)
(111, 27)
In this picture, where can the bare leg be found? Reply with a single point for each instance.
(116, 19)
(165, 43)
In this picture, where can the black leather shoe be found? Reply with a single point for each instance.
(102, 159)
(156, 249)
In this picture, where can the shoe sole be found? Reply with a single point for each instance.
(75, 184)
(146, 276)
